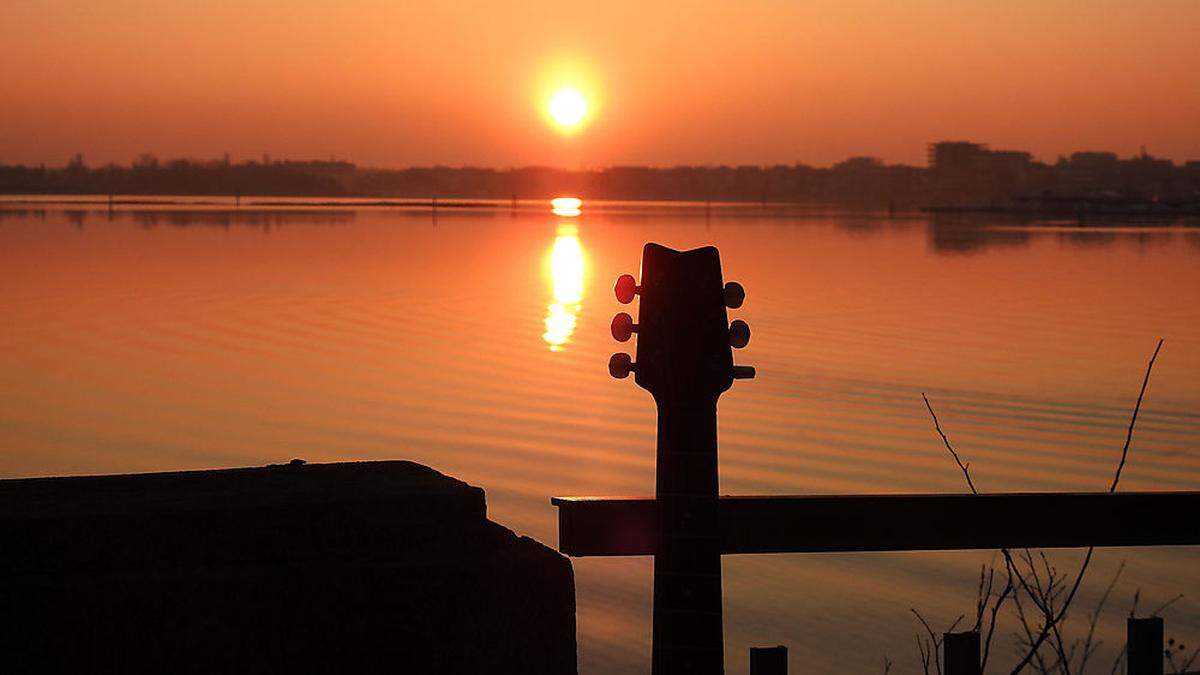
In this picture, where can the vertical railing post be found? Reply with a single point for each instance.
(960, 651)
(768, 660)
(1144, 646)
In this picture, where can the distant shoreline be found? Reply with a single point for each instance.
(960, 176)
(258, 202)
(1135, 211)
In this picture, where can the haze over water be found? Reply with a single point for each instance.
(476, 341)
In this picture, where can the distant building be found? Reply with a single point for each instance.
(1149, 176)
(1088, 173)
(965, 172)
(1093, 158)
(1192, 171)
(964, 156)
(859, 164)
(956, 155)
(1017, 161)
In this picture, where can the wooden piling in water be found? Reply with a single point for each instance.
(768, 660)
(960, 651)
(1144, 646)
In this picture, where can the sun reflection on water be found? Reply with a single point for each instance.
(567, 207)
(565, 269)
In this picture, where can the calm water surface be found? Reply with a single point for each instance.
(476, 341)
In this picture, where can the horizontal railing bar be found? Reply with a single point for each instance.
(609, 526)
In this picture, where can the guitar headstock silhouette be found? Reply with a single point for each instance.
(685, 360)
(684, 335)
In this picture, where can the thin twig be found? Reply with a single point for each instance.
(923, 647)
(1027, 648)
(1184, 667)
(1133, 420)
(1054, 619)
(987, 579)
(1120, 658)
(1090, 644)
(933, 637)
(987, 644)
(934, 649)
(946, 441)
(1167, 604)
(1052, 591)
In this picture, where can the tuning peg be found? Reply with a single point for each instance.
(626, 288)
(739, 372)
(739, 333)
(620, 365)
(623, 327)
(735, 295)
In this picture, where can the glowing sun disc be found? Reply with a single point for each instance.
(568, 107)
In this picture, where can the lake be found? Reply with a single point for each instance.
(165, 336)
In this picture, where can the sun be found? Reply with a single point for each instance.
(567, 108)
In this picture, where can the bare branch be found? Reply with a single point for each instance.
(987, 580)
(946, 441)
(936, 641)
(923, 647)
(1026, 642)
(1119, 660)
(987, 644)
(1167, 604)
(1090, 644)
(1062, 611)
(955, 624)
(1186, 666)
(1044, 596)
(1133, 419)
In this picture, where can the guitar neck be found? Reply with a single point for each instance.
(685, 360)
(687, 564)
(687, 450)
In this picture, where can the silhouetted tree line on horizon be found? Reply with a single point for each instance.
(959, 174)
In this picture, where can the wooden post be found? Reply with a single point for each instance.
(1144, 646)
(960, 651)
(768, 660)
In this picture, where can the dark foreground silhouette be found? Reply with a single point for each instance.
(335, 568)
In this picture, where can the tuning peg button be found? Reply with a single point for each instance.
(739, 334)
(623, 327)
(620, 365)
(735, 295)
(739, 372)
(626, 288)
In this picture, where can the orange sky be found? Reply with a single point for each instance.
(394, 83)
